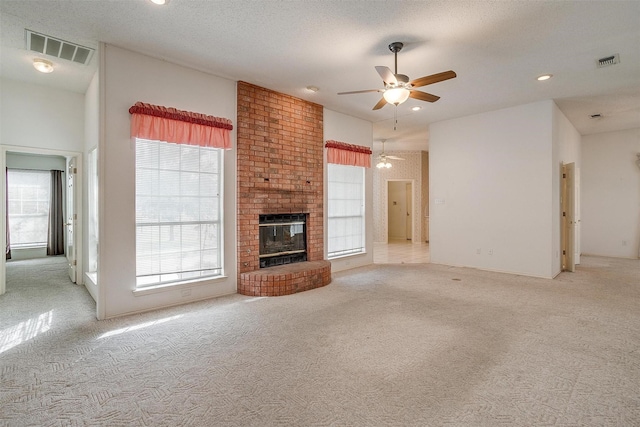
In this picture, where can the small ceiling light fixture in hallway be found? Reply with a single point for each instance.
(544, 77)
(416, 108)
(160, 2)
(313, 89)
(43, 65)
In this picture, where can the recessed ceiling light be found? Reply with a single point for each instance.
(417, 108)
(43, 65)
(159, 2)
(312, 88)
(544, 77)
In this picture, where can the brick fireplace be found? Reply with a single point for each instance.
(280, 171)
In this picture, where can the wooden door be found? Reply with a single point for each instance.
(568, 217)
(409, 204)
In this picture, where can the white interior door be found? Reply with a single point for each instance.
(72, 217)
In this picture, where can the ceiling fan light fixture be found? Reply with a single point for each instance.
(43, 65)
(383, 164)
(396, 95)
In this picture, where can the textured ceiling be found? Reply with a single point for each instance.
(496, 48)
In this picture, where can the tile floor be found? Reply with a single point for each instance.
(400, 252)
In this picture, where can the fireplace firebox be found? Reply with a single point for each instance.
(283, 239)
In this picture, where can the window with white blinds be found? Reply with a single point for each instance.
(346, 222)
(28, 193)
(92, 190)
(178, 212)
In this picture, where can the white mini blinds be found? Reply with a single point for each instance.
(178, 212)
(28, 196)
(346, 220)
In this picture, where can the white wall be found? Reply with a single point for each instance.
(35, 161)
(491, 190)
(39, 120)
(125, 78)
(409, 169)
(41, 117)
(611, 194)
(344, 128)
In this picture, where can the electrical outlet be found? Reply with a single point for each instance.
(490, 251)
(478, 251)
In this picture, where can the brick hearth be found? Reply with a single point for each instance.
(280, 170)
(286, 279)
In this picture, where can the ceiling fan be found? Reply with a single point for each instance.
(398, 88)
(383, 158)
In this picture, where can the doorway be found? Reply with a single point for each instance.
(570, 221)
(399, 211)
(401, 205)
(72, 194)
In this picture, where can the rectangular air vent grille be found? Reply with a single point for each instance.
(52, 46)
(609, 60)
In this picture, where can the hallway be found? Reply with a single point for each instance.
(401, 252)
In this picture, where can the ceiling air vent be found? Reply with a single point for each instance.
(52, 46)
(609, 60)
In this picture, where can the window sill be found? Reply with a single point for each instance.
(29, 246)
(177, 286)
(339, 257)
(92, 276)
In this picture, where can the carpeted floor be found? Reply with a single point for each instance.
(397, 345)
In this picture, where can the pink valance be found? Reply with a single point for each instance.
(180, 127)
(348, 154)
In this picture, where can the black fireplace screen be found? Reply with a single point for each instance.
(283, 239)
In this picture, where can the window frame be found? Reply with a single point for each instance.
(39, 244)
(336, 254)
(199, 275)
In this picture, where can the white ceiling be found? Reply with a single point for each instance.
(497, 48)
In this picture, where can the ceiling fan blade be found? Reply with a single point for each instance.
(387, 76)
(394, 158)
(423, 96)
(360, 91)
(433, 78)
(380, 104)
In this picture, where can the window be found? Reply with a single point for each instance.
(178, 212)
(93, 211)
(345, 210)
(28, 207)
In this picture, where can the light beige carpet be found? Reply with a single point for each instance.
(397, 345)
